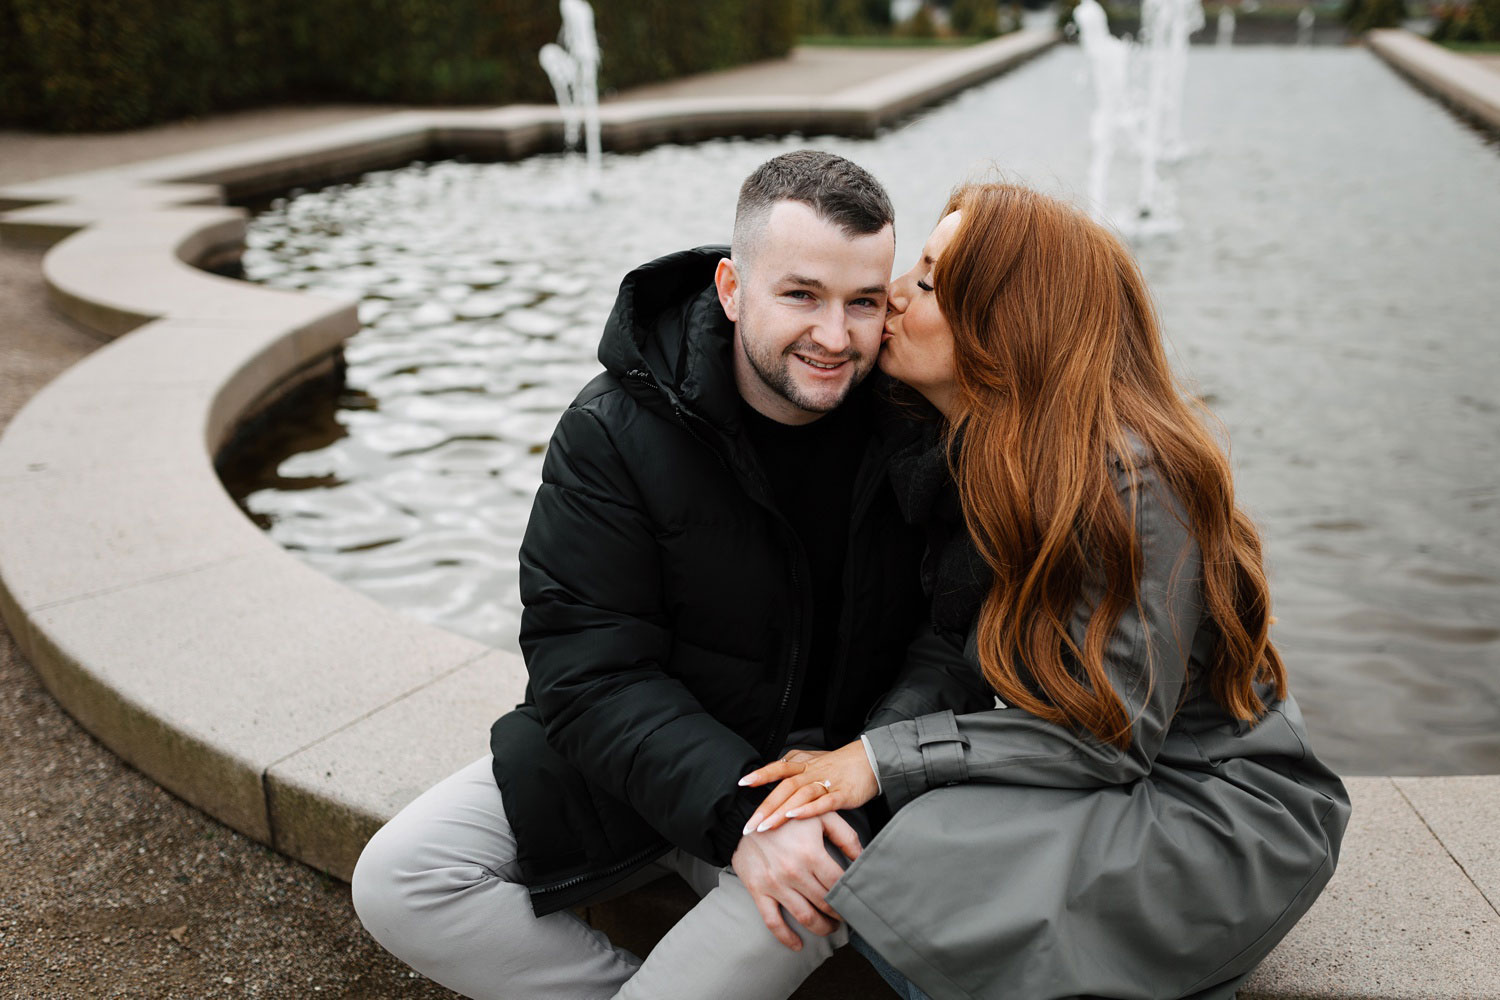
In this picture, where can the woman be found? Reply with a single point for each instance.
(1100, 785)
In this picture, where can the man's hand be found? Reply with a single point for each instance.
(790, 867)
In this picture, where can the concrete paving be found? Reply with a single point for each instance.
(269, 696)
(1488, 60)
(1399, 919)
(1460, 80)
(29, 156)
(1464, 814)
(339, 790)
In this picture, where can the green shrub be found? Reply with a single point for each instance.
(106, 64)
(1478, 21)
(978, 18)
(1362, 15)
(844, 17)
(922, 24)
(16, 92)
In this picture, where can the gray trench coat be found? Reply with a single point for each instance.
(1026, 861)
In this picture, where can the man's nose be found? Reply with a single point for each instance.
(832, 334)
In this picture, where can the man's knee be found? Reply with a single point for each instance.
(422, 903)
(451, 839)
(379, 894)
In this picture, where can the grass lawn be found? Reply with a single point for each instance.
(1472, 46)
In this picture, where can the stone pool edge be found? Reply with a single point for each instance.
(1469, 87)
(303, 713)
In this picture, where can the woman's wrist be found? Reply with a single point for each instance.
(864, 741)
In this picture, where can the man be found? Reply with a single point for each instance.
(714, 571)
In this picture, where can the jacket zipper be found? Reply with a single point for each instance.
(779, 726)
(777, 734)
(856, 518)
(568, 883)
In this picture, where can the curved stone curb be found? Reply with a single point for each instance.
(1465, 84)
(303, 713)
(279, 701)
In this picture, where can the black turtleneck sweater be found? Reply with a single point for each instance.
(811, 470)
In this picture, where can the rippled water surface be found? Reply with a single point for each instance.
(1332, 293)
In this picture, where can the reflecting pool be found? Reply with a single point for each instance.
(1331, 294)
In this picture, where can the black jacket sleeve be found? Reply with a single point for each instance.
(935, 677)
(1146, 658)
(595, 636)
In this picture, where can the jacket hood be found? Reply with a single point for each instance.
(668, 339)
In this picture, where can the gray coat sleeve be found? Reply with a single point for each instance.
(1146, 658)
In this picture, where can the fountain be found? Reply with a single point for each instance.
(572, 64)
(1109, 69)
(1305, 21)
(1138, 88)
(1165, 28)
(1225, 27)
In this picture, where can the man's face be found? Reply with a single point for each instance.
(809, 310)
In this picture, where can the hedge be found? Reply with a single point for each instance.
(1476, 21)
(74, 65)
(845, 17)
(1362, 15)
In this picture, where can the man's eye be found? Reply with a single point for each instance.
(924, 285)
(866, 303)
(798, 293)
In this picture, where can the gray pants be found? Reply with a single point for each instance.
(438, 887)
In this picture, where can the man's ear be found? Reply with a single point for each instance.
(727, 281)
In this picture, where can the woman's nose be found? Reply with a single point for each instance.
(897, 298)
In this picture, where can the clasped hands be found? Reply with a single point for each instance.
(782, 858)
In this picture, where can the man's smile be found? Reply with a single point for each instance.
(821, 366)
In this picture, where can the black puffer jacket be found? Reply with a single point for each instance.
(668, 604)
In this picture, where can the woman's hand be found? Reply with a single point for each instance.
(813, 782)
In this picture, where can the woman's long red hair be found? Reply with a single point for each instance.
(1059, 357)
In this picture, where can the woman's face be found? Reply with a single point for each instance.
(918, 343)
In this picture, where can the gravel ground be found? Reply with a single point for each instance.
(113, 887)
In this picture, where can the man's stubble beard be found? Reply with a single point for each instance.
(775, 370)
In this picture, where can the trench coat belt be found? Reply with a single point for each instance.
(942, 747)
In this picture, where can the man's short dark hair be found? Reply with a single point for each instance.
(842, 192)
